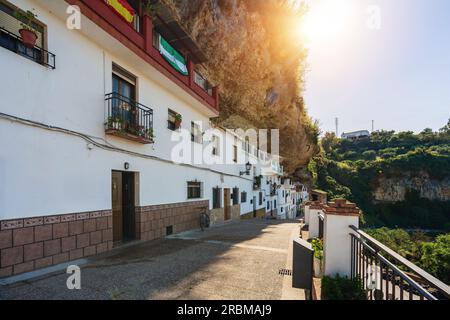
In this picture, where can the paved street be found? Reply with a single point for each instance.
(239, 260)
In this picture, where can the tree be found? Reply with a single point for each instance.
(436, 257)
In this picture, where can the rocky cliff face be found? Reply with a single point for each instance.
(394, 189)
(258, 64)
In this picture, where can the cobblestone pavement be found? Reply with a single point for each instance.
(239, 260)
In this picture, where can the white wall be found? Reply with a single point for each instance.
(337, 244)
(44, 172)
(314, 222)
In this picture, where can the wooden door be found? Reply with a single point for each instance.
(117, 206)
(128, 200)
(226, 204)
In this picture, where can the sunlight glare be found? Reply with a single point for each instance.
(326, 21)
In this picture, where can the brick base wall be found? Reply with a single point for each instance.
(152, 221)
(33, 243)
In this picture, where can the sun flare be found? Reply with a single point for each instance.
(326, 21)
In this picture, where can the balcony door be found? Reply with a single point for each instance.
(124, 91)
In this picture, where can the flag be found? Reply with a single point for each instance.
(123, 8)
(175, 59)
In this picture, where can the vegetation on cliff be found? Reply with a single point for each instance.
(353, 170)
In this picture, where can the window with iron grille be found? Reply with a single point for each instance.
(215, 145)
(235, 196)
(260, 198)
(171, 120)
(196, 133)
(217, 196)
(243, 197)
(11, 39)
(194, 190)
(235, 153)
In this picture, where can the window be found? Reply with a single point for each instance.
(10, 37)
(235, 196)
(123, 82)
(215, 145)
(268, 205)
(235, 153)
(196, 133)
(281, 209)
(260, 198)
(171, 120)
(243, 197)
(194, 190)
(217, 196)
(274, 204)
(202, 82)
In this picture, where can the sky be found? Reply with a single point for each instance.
(394, 70)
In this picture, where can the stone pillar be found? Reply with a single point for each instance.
(314, 210)
(339, 215)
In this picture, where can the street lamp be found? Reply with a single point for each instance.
(248, 167)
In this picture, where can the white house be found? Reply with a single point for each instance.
(91, 153)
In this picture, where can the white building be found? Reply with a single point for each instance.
(356, 135)
(89, 139)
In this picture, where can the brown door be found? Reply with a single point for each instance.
(128, 205)
(226, 204)
(117, 206)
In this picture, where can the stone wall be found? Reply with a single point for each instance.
(33, 243)
(152, 222)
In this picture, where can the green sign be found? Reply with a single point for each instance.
(175, 59)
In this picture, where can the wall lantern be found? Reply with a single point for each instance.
(126, 165)
(248, 167)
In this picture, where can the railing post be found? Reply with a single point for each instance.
(339, 215)
(148, 32)
(190, 66)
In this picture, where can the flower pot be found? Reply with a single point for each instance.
(29, 37)
(177, 124)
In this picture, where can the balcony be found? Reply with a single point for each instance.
(128, 119)
(11, 39)
(141, 38)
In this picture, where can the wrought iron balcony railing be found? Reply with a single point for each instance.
(129, 119)
(12, 42)
(385, 275)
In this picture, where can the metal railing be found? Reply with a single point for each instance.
(12, 42)
(128, 118)
(385, 275)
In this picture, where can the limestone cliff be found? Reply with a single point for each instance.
(394, 189)
(258, 64)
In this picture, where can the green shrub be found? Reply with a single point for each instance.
(317, 246)
(342, 288)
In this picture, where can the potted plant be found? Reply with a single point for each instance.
(178, 120)
(28, 33)
(151, 8)
(149, 134)
(114, 123)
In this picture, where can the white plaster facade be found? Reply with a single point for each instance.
(47, 171)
